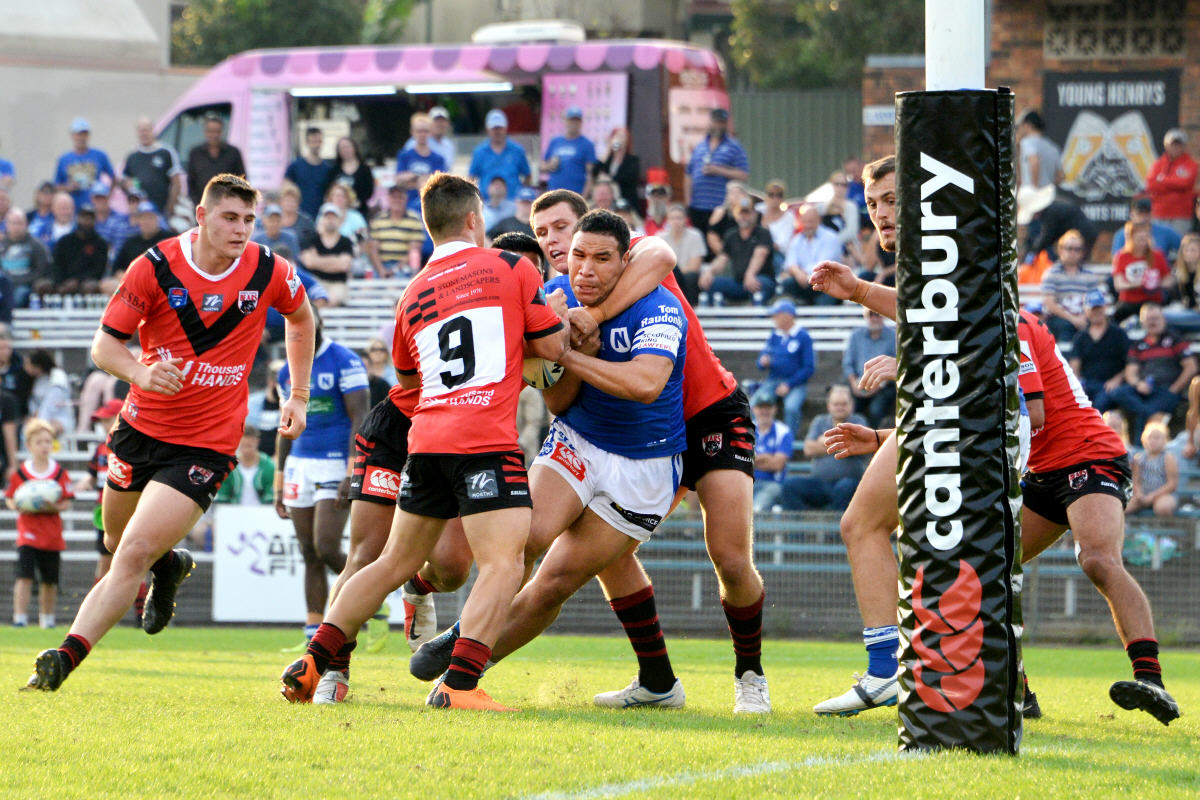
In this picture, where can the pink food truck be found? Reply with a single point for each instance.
(661, 91)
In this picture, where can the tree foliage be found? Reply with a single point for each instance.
(211, 30)
(820, 43)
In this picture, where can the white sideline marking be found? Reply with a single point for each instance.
(748, 771)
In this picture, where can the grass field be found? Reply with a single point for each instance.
(196, 713)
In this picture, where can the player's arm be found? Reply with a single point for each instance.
(112, 355)
(650, 262)
(1037, 412)
(640, 379)
(838, 280)
(299, 337)
(848, 439)
(283, 447)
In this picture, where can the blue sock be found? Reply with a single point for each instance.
(882, 644)
(310, 630)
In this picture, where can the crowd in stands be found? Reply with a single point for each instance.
(1122, 327)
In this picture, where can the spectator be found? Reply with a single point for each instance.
(81, 256)
(1165, 238)
(658, 196)
(354, 224)
(1140, 273)
(811, 245)
(417, 161)
(294, 217)
(1065, 286)
(723, 219)
(856, 191)
(779, 220)
(1039, 159)
(41, 216)
(252, 482)
(497, 206)
(6, 299)
(24, 260)
(63, 209)
(135, 197)
(1099, 352)
(149, 233)
(82, 165)
(330, 254)
(716, 160)
(833, 480)
(381, 374)
(604, 194)
(840, 214)
(350, 171)
(440, 141)
(213, 157)
(1155, 475)
(396, 237)
(5, 207)
(743, 269)
(772, 450)
(8, 174)
(156, 168)
(1187, 271)
(1157, 373)
(518, 221)
(1115, 420)
(878, 405)
(1054, 216)
(569, 159)
(621, 167)
(787, 358)
(50, 395)
(113, 226)
(11, 417)
(1171, 183)
(13, 377)
(689, 249)
(625, 211)
(310, 172)
(499, 156)
(275, 236)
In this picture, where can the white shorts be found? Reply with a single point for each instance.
(630, 494)
(1025, 435)
(306, 481)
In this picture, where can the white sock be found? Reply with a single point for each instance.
(46, 620)
(20, 619)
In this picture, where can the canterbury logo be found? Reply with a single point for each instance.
(947, 640)
(381, 482)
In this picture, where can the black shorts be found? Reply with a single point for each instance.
(720, 437)
(100, 548)
(1050, 493)
(46, 561)
(134, 459)
(448, 486)
(381, 448)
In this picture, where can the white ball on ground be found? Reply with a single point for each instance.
(38, 496)
(540, 373)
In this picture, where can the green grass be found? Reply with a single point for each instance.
(196, 712)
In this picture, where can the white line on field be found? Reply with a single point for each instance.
(747, 771)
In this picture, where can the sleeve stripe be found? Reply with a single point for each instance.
(555, 328)
(116, 333)
(406, 371)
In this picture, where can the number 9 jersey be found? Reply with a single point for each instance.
(462, 325)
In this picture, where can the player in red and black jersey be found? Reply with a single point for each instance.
(199, 305)
(463, 326)
(718, 463)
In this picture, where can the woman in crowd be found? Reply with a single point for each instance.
(622, 167)
(349, 169)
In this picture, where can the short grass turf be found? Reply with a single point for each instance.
(196, 712)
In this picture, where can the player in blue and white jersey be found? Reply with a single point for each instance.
(609, 467)
(312, 474)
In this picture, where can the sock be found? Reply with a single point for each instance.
(164, 561)
(1144, 655)
(466, 664)
(139, 604)
(46, 620)
(639, 616)
(419, 585)
(311, 630)
(21, 619)
(882, 644)
(75, 648)
(745, 626)
(325, 645)
(341, 659)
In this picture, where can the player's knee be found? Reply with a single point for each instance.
(730, 560)
(1099, 565)
(449, 575)
(329, 551)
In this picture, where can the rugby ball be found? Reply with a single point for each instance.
(540, 373)
(37, 497)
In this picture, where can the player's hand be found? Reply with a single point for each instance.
(847, 439)
(876, 372)
(280, 508)
(293, 417)
(834, 279)
(161, 377)
(583, 325)
(557, 300)
(343, 496)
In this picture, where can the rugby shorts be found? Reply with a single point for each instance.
(308, 481)
(720, 436)
(381, 448)
(458, 485)
(1049, 494)
(135, 459)
(47, 563)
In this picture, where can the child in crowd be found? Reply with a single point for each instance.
(39, 536)
(1155, 474)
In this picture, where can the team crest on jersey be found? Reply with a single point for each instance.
(177, 297)
(325, 380)
(212, 302)
(618, 339)
(131, 410)
(712, 443)
(1076, 480)
(247, 301)
(199, 475)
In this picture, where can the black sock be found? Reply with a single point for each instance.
(745, 626)
(341, 660)
(1143, 653)
(164, 561)
(75, 648)
(639, 616)
(466, 663)
(324, 646)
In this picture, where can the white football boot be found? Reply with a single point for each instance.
(867, 692)
(635, 695)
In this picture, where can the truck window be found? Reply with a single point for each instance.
(187, 129)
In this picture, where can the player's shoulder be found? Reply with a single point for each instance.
(659, 304)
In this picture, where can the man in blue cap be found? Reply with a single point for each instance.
(569, 159)
(499, 156)
(1099, 352)
(789, 361)
(82, 165)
